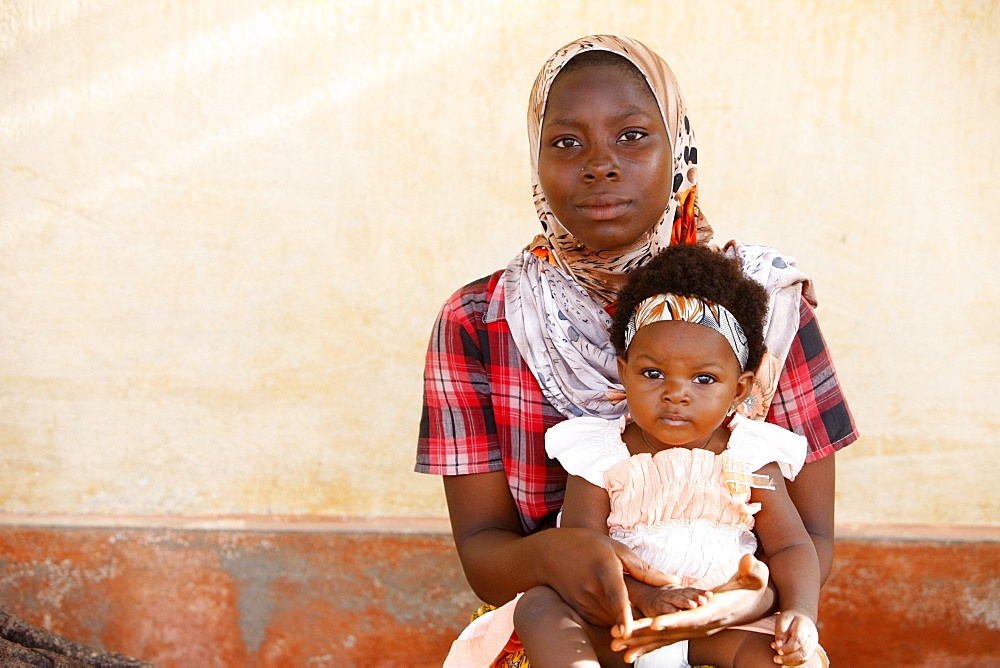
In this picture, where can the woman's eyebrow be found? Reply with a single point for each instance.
(617, 118)
(632, 111)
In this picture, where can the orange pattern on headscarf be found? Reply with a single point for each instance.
(685, 228)
(543, 253)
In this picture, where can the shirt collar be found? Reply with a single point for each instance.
(495, 309)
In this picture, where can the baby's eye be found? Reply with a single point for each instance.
(632, 135)
(566, 142)
(652, 374)
(704, 379)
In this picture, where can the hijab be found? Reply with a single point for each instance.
(601, 273)
(557, 291)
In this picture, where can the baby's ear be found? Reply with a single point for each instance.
(743, 386)
(622, 363)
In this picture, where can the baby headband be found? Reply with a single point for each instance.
(690, 309)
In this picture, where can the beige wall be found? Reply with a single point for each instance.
(226, 227)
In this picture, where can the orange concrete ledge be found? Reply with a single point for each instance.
(319, 592)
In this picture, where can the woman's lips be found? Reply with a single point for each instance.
(603, 207)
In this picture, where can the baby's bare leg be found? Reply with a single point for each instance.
(552, 633)
(742, 599)
(739, 649)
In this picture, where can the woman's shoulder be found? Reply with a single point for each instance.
(473, 297)
(479, 289)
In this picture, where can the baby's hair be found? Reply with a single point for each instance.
(696, 271)
(598, 58)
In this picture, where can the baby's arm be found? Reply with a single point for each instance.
(812, 492)
(794, 570)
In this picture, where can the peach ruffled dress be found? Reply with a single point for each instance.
(686, 512)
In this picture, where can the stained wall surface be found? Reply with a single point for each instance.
(333, 596)
(226, 228)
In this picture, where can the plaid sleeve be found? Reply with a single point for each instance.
(458, 433)
(809, 400)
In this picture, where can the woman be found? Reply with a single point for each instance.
(527, 347)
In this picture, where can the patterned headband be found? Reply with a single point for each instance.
(690, 309)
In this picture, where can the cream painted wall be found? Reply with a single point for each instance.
(226, 227)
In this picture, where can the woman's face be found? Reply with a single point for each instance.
(604, 159)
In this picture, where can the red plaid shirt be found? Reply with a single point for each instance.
(483, 410)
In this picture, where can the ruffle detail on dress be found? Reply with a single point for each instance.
(757, 444)
(587, 446)
(675, 484)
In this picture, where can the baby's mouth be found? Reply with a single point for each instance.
(673, 420)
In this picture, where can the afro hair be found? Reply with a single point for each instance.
(696, 271)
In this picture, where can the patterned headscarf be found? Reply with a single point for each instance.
(599, 272)
(555, 291)
(668, 306)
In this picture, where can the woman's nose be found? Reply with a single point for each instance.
(600, 164)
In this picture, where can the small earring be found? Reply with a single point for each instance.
(732, 409)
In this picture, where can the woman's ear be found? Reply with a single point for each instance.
(743, 386)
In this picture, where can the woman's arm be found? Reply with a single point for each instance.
(499, 562)
(812, 492)
(583, 566)
(810, 402)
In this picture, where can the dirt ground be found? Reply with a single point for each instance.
(24, 645)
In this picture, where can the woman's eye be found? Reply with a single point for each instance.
(632, 135)
(652, 374)
(704, 379)
(565, 142)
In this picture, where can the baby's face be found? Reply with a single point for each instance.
(681, 379)
(604, 159)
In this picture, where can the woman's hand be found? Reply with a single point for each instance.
(587, 569)
(742, 599)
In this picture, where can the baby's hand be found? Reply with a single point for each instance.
(671, 598)
(795, 638)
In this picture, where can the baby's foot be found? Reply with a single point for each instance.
(752, 574)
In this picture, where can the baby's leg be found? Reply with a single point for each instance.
(739, 649)
(741, 597)
(552, 633)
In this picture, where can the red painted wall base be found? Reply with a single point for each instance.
(391, 593)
